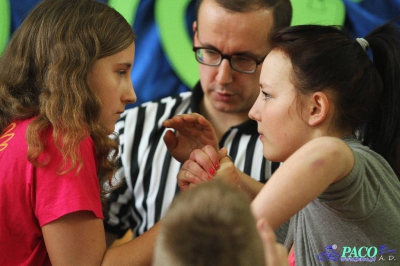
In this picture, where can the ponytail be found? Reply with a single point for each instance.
(382, 132)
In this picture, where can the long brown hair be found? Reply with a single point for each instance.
(43, 74)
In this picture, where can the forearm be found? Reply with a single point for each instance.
(302, 178)
(231, 174)
(138, 251)
(249, 185)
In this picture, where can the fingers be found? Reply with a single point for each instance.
(191, 173)
(199, 168)
(213, 155)
(207, 159)
(228, 172)
(186, 121)
(170, 140)
(204, 164)
(275, 254)
(205, 124)
(175, 122)
(281, 255)
(193, 131)
(223, 152)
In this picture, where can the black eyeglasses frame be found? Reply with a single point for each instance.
(229, 58)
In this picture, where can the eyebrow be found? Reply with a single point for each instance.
(127, 65)
(264, 86)
(246, 54)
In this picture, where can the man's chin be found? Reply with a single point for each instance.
(225, 108)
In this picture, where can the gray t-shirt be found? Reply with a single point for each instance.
(356, 220)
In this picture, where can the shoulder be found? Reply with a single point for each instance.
(330, 151)
(14, 134)
(328, 146)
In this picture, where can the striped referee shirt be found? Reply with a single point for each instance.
(149, 169)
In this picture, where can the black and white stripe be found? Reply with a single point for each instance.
(150, 171)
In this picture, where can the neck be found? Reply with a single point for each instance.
(222, 121)
(328, 131)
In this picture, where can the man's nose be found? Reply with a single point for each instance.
(225, 70)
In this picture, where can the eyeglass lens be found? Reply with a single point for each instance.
(214, 58)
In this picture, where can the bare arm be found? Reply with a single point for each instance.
(110, 238)
(249, 185)
(78, 239)
(192, 131)
(75, 239)
(137, 252)
(302, 178)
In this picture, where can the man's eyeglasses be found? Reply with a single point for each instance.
(213, 57)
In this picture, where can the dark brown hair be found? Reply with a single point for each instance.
(366, 93)
(282, 9)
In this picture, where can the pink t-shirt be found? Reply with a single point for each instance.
(32, 197)
(291, 259)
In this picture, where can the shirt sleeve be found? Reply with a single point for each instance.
(55, 195)
(356, 195)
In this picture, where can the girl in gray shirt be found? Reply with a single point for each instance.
(332, 116)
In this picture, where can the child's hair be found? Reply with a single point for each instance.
(43, 73)
(366, 93)
(210, 224)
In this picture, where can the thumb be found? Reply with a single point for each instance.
(275, 253)
(170, 140)
(223, 152)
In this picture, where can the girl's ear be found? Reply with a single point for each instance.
(318, 108)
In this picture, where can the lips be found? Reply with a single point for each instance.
(223, 91)
(223, 96)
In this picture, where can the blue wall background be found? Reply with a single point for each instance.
(164, 62)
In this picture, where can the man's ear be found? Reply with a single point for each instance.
(194, 26)
(318, 108)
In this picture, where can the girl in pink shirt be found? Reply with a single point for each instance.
(64, 81)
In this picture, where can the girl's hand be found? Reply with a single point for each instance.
(275, 253)
(201, 166)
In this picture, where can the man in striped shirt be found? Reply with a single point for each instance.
(237, 31)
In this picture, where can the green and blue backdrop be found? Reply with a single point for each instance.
(164, 61)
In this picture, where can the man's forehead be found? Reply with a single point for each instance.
(233, 45)
(254, 43)
(215, 17)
